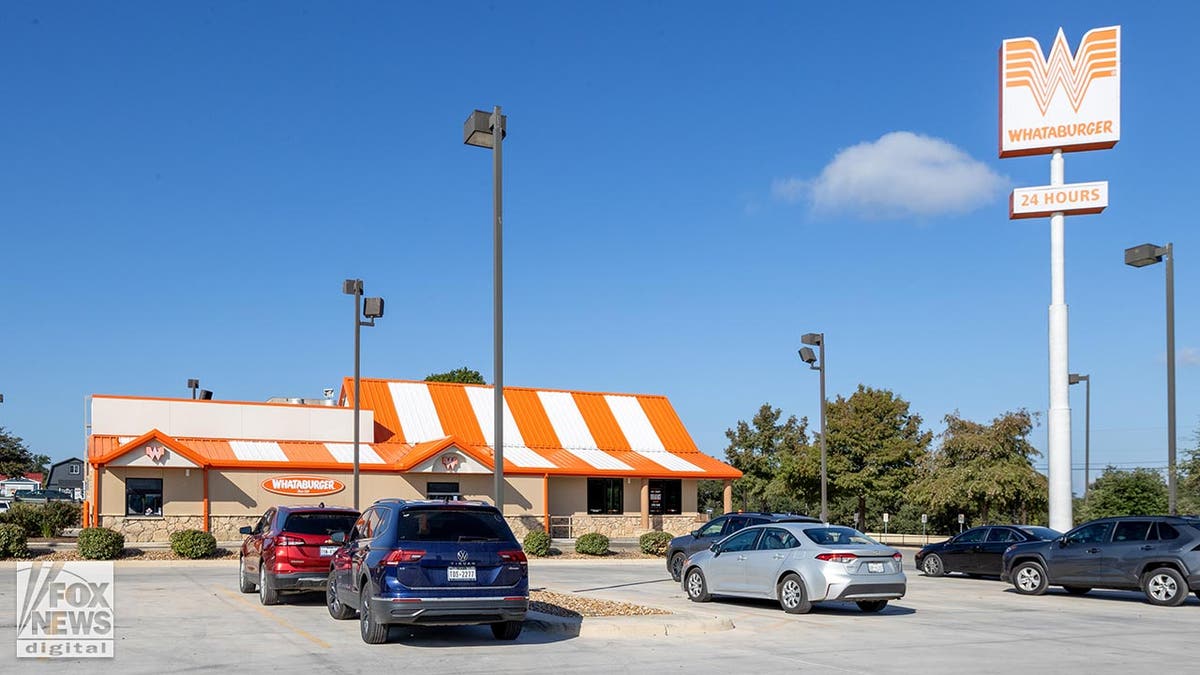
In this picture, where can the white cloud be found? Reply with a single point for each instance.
(898, 176)
(1188, 356)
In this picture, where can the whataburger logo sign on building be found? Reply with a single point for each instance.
(1060, 101)
(303, 486)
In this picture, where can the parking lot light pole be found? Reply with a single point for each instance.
(1075, 378)
(807, 355)
(484, 130)
(372, 308)
(1141, 256)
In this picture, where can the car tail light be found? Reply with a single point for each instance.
(513, 556)
(898, 557)
(837, 557)
(285, 540)
(402, 556)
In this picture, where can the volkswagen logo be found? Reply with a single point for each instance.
(462, 556)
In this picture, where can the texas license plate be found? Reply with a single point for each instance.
(327, 551)
(874, 567)
(465, 573)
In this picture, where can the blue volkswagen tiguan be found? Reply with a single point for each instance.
(429, 563)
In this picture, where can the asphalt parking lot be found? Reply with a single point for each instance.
(190, 617)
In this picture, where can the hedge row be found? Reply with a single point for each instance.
(42, 520)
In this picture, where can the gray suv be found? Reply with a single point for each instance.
(1159, 555)
(718, 528)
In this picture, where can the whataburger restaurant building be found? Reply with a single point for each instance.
(574, 462)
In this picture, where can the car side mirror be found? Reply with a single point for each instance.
(245, 530)
(716, 549)
(338, 537)
(695, 534)
(1063, 542)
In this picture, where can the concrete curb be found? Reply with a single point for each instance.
(628, 626)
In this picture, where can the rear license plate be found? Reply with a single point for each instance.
(327, 551)
(460, 573)
(874, 567)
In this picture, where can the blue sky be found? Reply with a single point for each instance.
(184, 187)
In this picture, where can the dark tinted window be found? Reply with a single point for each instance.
(971, 536)
(1003, 535)
(319, 522)
(1096, 533)
(736, 523)
(838, 536)
(606, 495)
(776, 539)
(143, 496)
(1132, 530)
(666, 496)
(1166, 532)
(742, 541)
(452, 525)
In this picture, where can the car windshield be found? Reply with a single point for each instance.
(319, 522)
(456, 525)
(1042, 532)
(839, 536)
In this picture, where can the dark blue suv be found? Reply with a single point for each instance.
(431, 563)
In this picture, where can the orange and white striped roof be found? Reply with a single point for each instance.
(545, 430)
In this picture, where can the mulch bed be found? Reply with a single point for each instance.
(577, 606)
(556, 554)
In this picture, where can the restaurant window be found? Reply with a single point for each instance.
(666, 497)
(443, 491)
(143, 496)
(605, 495)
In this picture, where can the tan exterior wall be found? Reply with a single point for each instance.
(236, 498)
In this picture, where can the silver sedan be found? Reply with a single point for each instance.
(797, 564)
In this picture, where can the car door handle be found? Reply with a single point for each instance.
(1147, 547)
(1093, 550)
(741, 557)
(778, 556)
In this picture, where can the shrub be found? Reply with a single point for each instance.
(592, 543)
(193, 543)
(43, 520)
(655, 543)
(12, 541)
(537, 543)
(100, 543)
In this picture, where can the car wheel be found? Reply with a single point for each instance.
(1029, 578)
(244, 583)
(792, 595)
(1164, 587)
(267, 595)
(871, 606)
(337, 609)
(1077, 590)
(932, 566)
(696, 587)
(507, 630)
(677, 565)
(373, 632)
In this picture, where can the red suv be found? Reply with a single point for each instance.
(289, 549)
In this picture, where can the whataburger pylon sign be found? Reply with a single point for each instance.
(1051, 104)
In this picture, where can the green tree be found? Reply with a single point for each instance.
(982, 471)
(760, 450)
(710, 494)
(874, 446)
(462, 375)
(15, 457)
(1188, 480)
(1139, 492)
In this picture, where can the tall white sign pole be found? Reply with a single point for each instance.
(1059, 422)
(1048, 104)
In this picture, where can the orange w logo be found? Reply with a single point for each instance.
(1024, 66)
